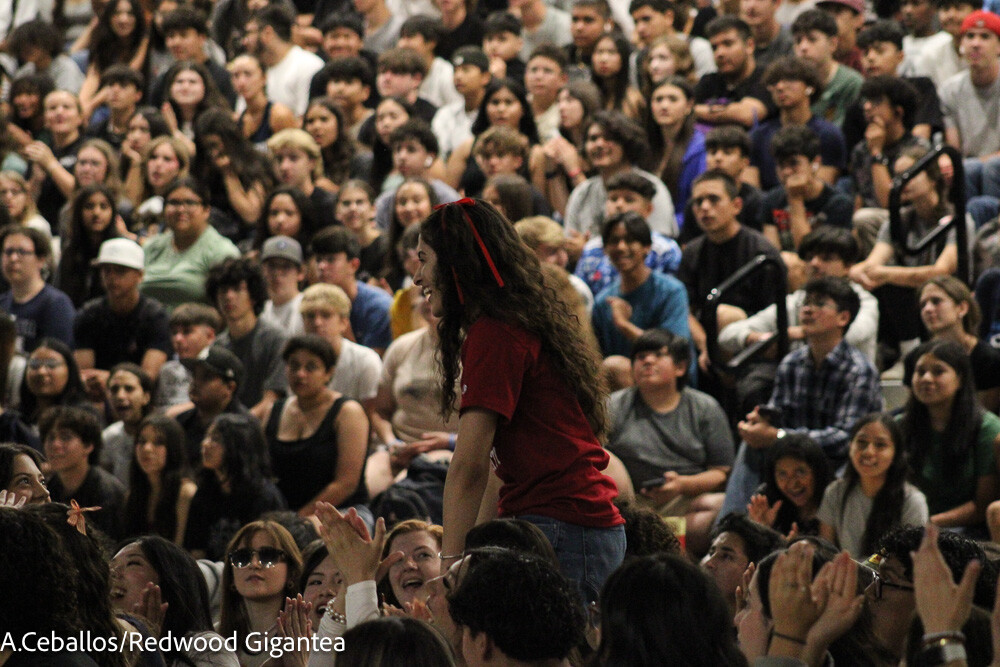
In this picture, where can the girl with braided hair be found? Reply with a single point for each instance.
(532, 405)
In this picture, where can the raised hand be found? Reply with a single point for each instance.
(759, 510)
(942, 604)
(294, 622)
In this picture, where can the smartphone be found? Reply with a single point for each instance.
(654, 483)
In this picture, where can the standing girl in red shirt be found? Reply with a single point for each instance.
(531, 401)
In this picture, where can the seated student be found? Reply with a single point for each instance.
(736, 542)
(349, 83)
(236, 287)
(628, 191)
(502, 44)
(892, 275)
(545, 237)
(414, 149)
(216, 375)
(39, 310)
(675, 441)
(193, 327)
(130, 394)
(794, 84)
(422, 34)
(505, 623)
(123, 325)
(638, 299)
(727, 148)
(725, 246)
(298, 163)
(343, 37)
(816, 40)
(335, 252)
(882, 44)
(820, 390)
(589, 20)
(282, 264)
(825, 251)
(734, 93)
(453, 122)
(890, 105)
(544, 77)
(802, 201)
(326, 311)
(121, 90)
(503, 151)
(72, 439)
(185, 30)
(614, 144)
(38, 47)
(400, 73)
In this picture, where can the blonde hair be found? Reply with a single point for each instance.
(112, 178)
(300, 140)
(539, 230)
(325, 295)
(30, 209)
(503, 141)
(682, 56)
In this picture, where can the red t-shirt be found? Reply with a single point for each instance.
(544, 450)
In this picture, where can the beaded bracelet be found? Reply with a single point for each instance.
(336, 617)
(944, 637)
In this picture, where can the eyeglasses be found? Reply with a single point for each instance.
(818, 302)
(184, 203)
(17, 252)
(878, 583)
(266, 556)
(51, 364)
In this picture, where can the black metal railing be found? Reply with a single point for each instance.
(759, 264)
(957, 196)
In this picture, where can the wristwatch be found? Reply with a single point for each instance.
(780, 434)
(941, 654)
(879, 158)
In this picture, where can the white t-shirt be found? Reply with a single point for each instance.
(357, 372)
(286, 316)
(288, 81)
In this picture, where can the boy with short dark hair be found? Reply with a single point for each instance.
(502, 45)
(343, 37)
(589, 20)
(422, 34)
(349, 83)
(815, 34)
(803, 200)
(727, 148)
(336, 255)
(193, 327)
(38, 47)
(543, 79)
(236, 287)
(185, 31)
(452, 124)
(121, 91)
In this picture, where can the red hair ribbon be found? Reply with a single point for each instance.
(466, 201)
(75, 516)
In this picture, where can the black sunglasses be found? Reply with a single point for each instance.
(266, 556)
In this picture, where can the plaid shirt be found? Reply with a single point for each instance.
(596, 269)
(826, 401)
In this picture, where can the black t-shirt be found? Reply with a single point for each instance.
(116, 337)
(829, 208)
(99, 489)
(468, 33)
(713, 88)
(51, 198)
(705, 265)
(216, 516)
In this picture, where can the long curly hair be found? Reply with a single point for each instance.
(524, 300)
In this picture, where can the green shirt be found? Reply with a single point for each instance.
(948, 492)
(837, 95)
(173, 277)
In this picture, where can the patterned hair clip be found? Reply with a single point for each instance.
(463, 203)
(75, 516)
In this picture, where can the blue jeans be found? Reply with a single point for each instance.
(587, 556)
(745, 477)
(982, 178)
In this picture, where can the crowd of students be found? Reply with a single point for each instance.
(278, 272)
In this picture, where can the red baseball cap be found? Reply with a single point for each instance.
(982, 19)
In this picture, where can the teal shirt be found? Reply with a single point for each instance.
(946, 493)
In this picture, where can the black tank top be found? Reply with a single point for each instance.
(304, 467)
